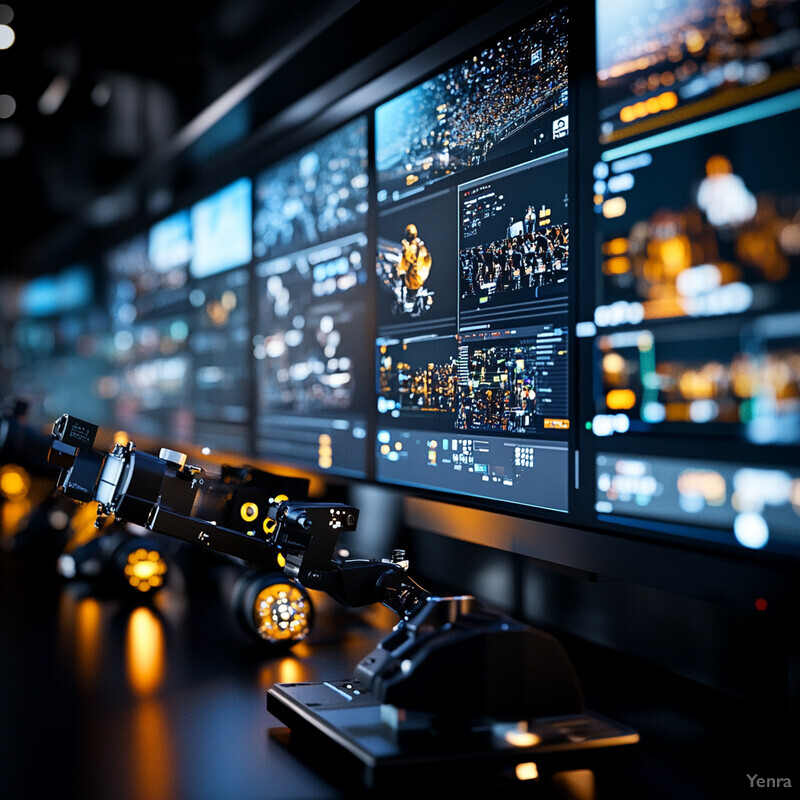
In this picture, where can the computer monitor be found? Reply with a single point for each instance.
(148, 362)
(220, 317)
(56, 337)
(696, 327)
(474, 275)
(222, 230)
(312, 331)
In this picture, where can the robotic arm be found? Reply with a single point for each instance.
(166, 495)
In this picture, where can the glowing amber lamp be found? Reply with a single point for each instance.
(280, 613)
(145, 569)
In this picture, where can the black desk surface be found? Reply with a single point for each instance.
(103, 700)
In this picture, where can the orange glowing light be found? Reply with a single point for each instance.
(522, 738)
(287, 670)
(652, 105)
(761, 249)
(557, 424)
(676, 255)
(613, 365)
(144, 654)
(217, 313)
(13, 515)
(151, 757)
(695, 41)
(527, 771)
(84, 527)
(14, 482)
(621, 399)
(615, 247)
(667, 100)
(87, 639)
(718, 165)
(614, 207)
(677, 412)
(618, 265)
(710, 485)
(145, 569)
(280, 613)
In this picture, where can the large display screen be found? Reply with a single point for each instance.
(179, 358)
(473, 267)
(312, 339)
(696, 326)
(148, 381)
(54, 355)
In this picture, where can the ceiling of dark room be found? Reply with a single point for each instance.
(97, 88)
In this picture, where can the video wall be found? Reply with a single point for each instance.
(500, 285)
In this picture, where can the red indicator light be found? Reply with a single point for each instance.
(761, 604)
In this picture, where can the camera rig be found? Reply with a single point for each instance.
(455, 687)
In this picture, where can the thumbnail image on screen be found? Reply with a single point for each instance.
(513, 239)
(516, 384)
(137, 287)
(738, 380)
(222, 230)
(662, 62)
(169, 242)
(415, 265)
(71, 289)
(720, 241)
(318, 194)
(507, 97)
